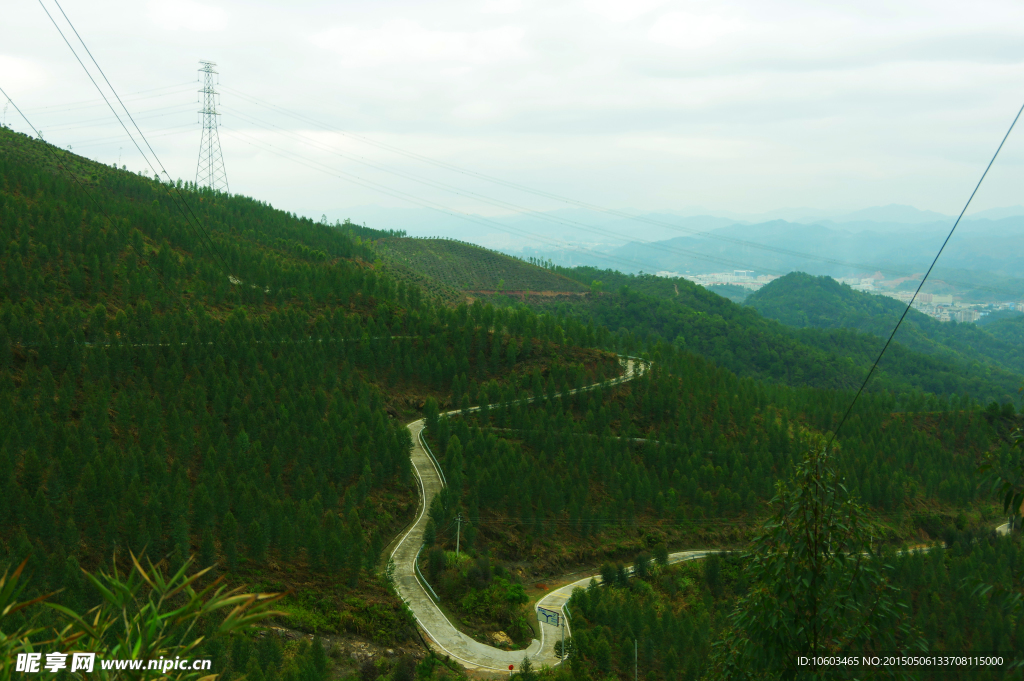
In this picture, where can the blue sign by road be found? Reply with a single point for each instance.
(548, 616)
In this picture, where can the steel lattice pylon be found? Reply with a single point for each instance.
(210, 170)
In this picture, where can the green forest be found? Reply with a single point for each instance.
(188, 373)
(802, 301)
(643, 309)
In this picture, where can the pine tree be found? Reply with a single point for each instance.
(256, 541)
(229, 540)
(429, 533)
(207, 550)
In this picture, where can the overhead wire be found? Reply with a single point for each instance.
(426, 203)
(147, 114)
(197, 227)
(164, 132)
(74, 177)
(866, 267)
(89, 103)
(311, 163)
(885, 347)
(486, 199)
(629, 262)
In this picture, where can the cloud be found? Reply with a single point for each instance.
(20, 73)
(188, 15)
(405, 43)
(693, 31)
(617, 11)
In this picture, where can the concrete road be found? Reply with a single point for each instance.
(442, 634)
(556, 599)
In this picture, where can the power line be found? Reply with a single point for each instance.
(60, 164)
(296, 158)
(164, 132)
(866, 267)
(572, 223)
(197, 227)
(89, 103)
(596, 208)
(924, 279)
(361, 181)
(97, 122)
(426, 203)
(494, 202)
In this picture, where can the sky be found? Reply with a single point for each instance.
(738, 107)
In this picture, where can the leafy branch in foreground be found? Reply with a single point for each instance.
(817, 588)
(1005, 473)
(143, 615)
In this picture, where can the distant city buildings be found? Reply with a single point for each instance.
(859, 284)
(744, 278)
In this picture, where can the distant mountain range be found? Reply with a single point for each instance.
(984, 255)
(982, 259)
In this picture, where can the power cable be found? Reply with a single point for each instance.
(89, 103)
(923, 280)
(306, 161)
(426, 203)
(97, 122)
(197, 227)
(486, 199)
(595, 208)
(97, 141)
(60, 164)
(564, 221)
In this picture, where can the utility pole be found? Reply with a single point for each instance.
(210, 170)
(458, 535)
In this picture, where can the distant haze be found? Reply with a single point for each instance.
(733, 109)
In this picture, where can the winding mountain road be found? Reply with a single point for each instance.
(442, 634)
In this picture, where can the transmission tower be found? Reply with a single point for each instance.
(210, 170)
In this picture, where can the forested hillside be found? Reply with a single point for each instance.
(687, 456)
(228, 391)
(452, 271)
(647, 308)
(688, 453)
(185, 372)
(803, 301)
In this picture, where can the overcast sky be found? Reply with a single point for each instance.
(689, 106)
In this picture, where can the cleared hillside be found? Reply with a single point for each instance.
(448, 268)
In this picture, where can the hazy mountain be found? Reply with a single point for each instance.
(982, 253)
(894, 213)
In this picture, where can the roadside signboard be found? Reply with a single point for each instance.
(548, 616)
